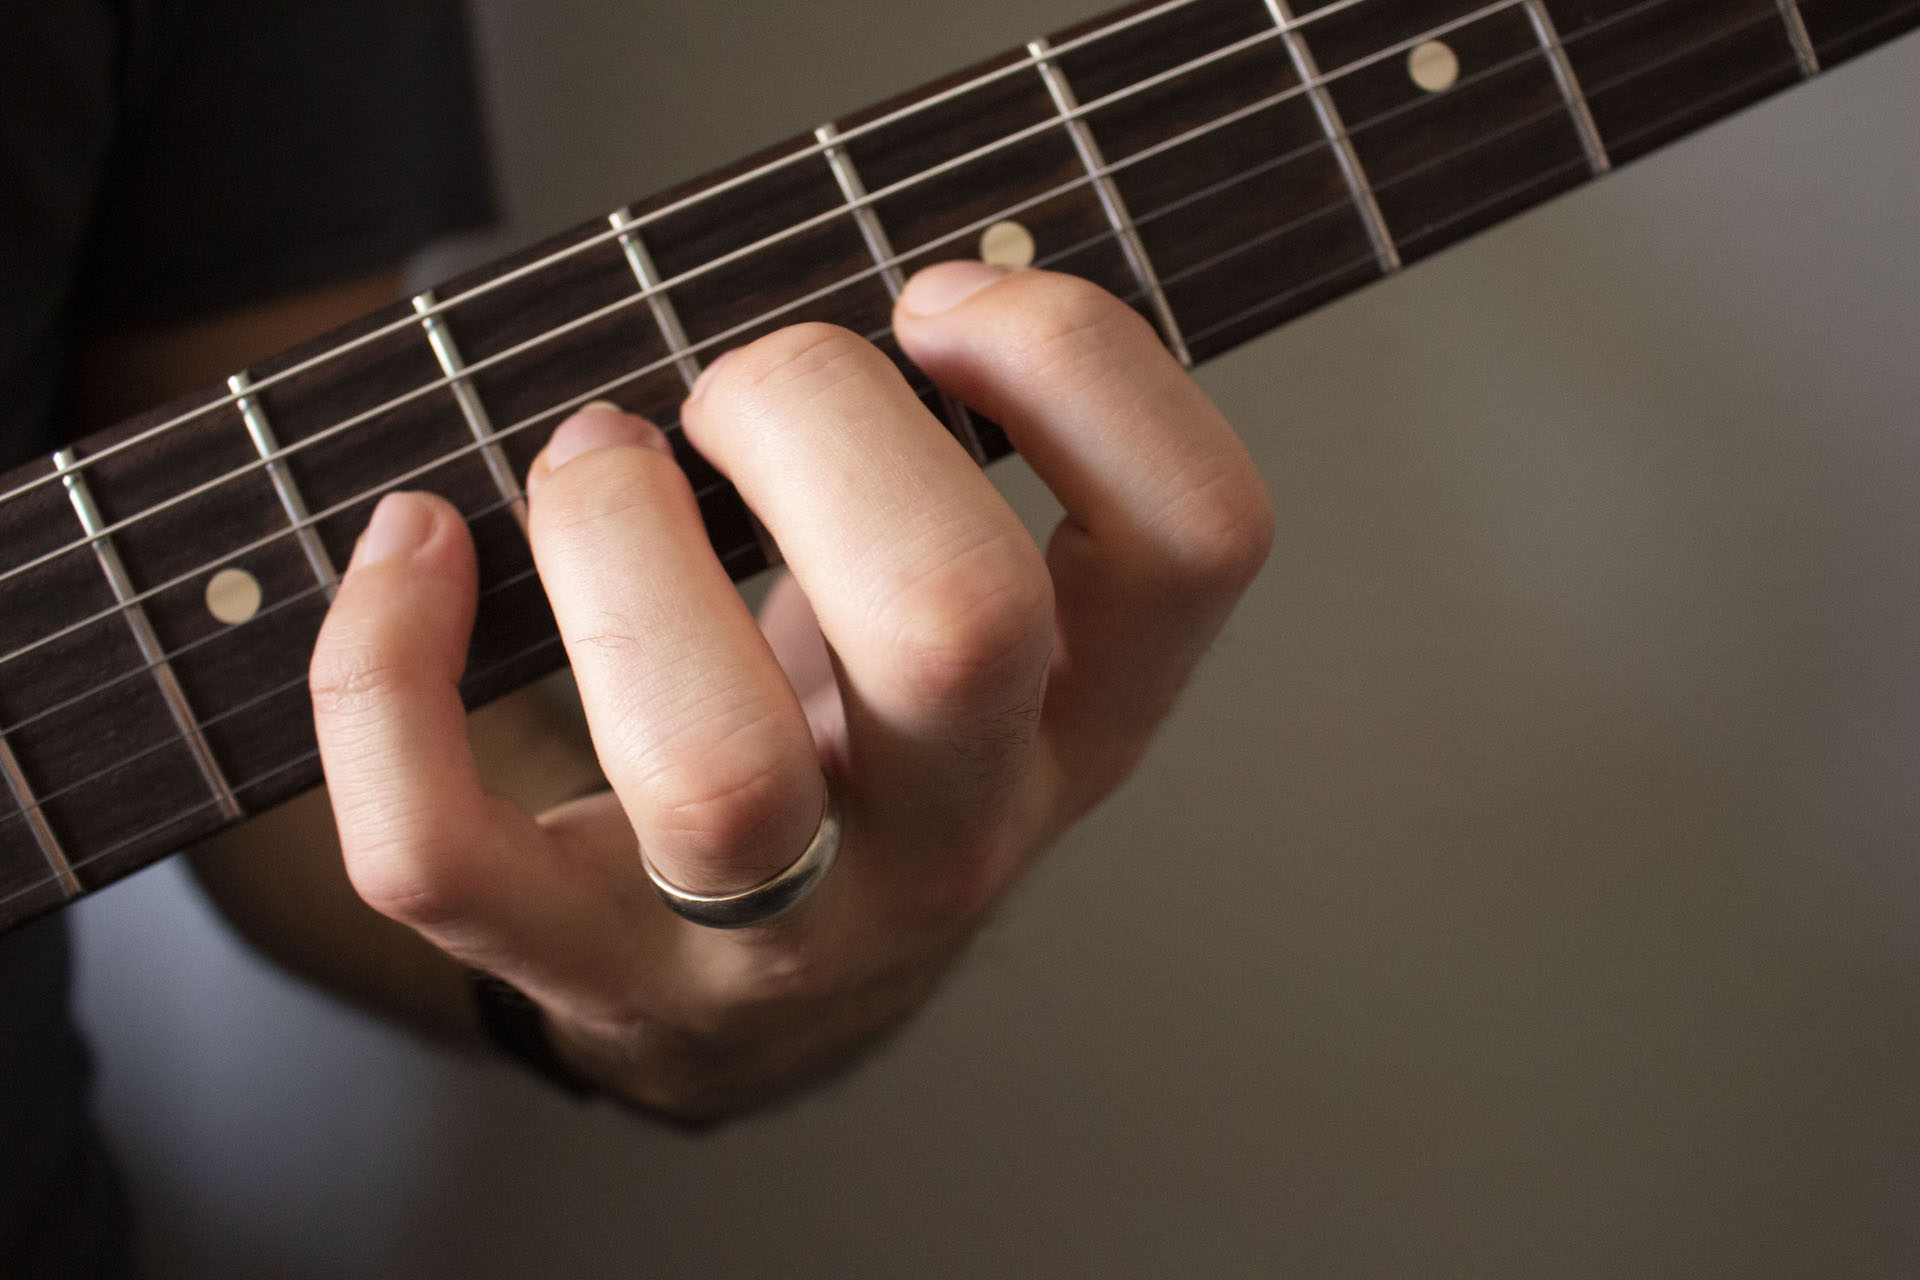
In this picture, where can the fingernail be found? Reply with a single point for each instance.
(701, 383)
(600, 425)
(400, 526)
(947, 285)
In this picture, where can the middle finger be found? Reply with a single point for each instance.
(935, 602)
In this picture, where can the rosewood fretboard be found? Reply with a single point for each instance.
(1222, 164)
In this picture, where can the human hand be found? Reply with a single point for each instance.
(966, 697)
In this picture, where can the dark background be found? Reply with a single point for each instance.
(1530, 884)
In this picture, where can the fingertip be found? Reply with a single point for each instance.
(402, 523)
(600, 425)
(944, 286)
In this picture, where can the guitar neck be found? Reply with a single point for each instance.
(1224, 165)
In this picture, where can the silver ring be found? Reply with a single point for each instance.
(765, 900)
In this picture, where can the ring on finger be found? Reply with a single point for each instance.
(766, 900)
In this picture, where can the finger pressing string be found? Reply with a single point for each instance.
(701, 736)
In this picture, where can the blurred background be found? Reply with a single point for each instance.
(1529, 884)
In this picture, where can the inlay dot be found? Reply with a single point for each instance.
(1433, 66)
(1007, 244)
(233, 596)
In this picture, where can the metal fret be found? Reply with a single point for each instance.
(151, 649)
(467, 396)
(1797, 34)
(664, 315)
(1095, 163)
(657, 300)
(291, 502)
(1563, 73)
(880, 245)
(50, 849)
(1384, 250)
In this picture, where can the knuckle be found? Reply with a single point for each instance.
(802, 360)
(1223, 531)
(347, 681)
(417, 886)
(731, 804)
(976, 625)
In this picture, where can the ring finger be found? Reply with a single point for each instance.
(700, 734)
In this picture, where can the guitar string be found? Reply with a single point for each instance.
(614, 384)
(309, 756)
(181, 815)
(813, 222)
(247, 784)
(810, 150)
(628, 301)
(523, 576)
(892, 117)
(523, 655)
(742, 252)
(1652, 127)
(499, 507)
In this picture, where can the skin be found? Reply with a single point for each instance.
(965, 694)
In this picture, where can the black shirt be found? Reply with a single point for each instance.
(162, 160)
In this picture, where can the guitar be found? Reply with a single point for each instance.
(1224, 165)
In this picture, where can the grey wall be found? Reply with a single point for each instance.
(1529, 885)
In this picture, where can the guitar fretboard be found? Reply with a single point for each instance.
(1224, 165)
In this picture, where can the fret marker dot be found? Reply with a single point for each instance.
(1007, 244)
(1433, 66)
(233, 596)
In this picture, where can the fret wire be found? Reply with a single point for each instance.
(50, 850)
(617, 382)
(472, 409)
(1803, 49)
(1111, 201)
(253, 781)
(880, 246)
(1095, 175)
(1728, 91)
(1269, 304)
(293, 599)
(1513, 126)
(1307, 70)
(135, 672)
(1272, 233)
(667, 317)
(523, 347)
(771, 166)
(1612, 84)
(853, 191)
(176, 816)
(260, 431)
(1285, 158)
(287, 602)
(144, 636)
(665, 314)
(391, 483)
(667, 210)
(1569, 81)
(1254, 242)
(268, 695)
(1671, 56)
(286, 686)
(855, 277)
(295, 683)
